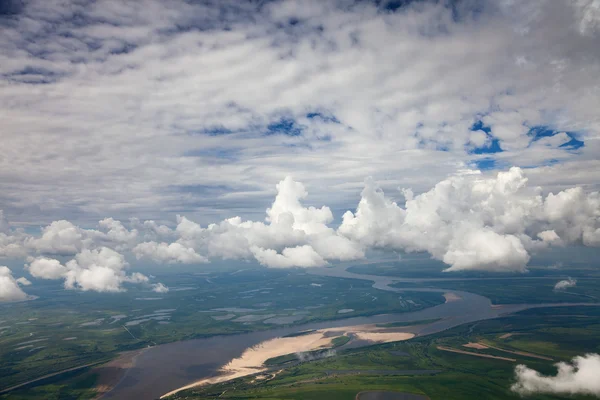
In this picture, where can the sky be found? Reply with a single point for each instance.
(293, 133)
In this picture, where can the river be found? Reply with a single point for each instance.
(166, 367)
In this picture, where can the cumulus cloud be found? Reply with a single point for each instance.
(565, 284)
(101, 270)
(471, 221)
(9, 287)
(23, 281)
(64, 238)
(578, 377)
(46, 268)
(12, 245)
(169, 253)
(468, 221)
(291, 236)
(59, 238)
(300, 256)
(159, 288)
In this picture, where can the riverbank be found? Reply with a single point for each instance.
(113, 372)
(252, 361)
(173, 366)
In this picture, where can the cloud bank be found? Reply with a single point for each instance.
(578, 377)
(470, 221)
(473, 222)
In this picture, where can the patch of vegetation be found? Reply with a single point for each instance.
(77, 385)
(340, 341)
(461, 377)
(66, 329)
(532, 291)
(301, 333)
(280, 360)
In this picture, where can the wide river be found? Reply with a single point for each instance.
(163, 368)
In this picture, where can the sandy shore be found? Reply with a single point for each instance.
(451, 297)
(253, 359)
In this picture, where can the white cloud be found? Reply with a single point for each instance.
(65, 238)
(578, 377)
(565, 284)
(300, 256)
(117, 233)
(485, 249)
(169, 253)
(23, 281)
(471, 221)
(46, 268)
(549, 236)
(9, 287)
(293, 235)
(210, 119)
(286, 209)
(101, 270)
(11, 245)
(60, 238)
(424, 74)
(159, 288)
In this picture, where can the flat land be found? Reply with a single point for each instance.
(450, 349)
(459, 375)
(65, 329)
(255, 360)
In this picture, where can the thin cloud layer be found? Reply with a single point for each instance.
(578, 377)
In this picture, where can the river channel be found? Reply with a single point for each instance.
(166, 367)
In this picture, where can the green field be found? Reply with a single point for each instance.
(521, 291)
(65, 329)
(554, 332)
